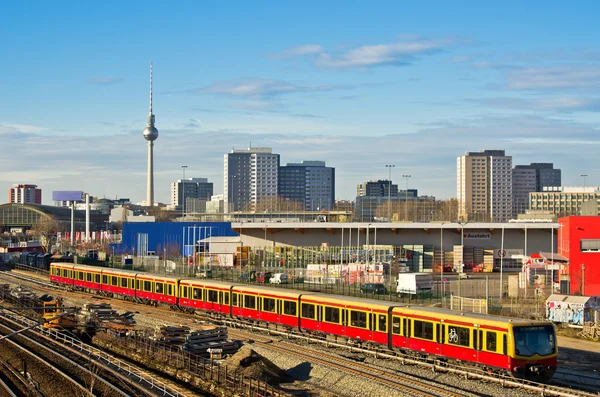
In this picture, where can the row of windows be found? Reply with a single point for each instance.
(115, 281)
(449, 334)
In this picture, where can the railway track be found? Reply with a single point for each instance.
(105, 372)
(406, 385)
(465, 372)
(72, 374)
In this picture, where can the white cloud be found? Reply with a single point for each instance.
(551, 104)
(402, 52)
(106, 80)
(556, 77)
(256, 88)
(20, 128)
(306, 49)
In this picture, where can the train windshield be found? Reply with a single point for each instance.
(535, 340)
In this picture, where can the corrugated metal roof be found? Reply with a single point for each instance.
(555, 256)
(568, 298)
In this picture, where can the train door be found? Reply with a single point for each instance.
(477, 342)
(345, 316)
(438, 337)
(372, 326)
(279, 310)
(319, 317)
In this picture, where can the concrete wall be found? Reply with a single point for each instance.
(531, 238)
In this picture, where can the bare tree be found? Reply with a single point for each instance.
(161, 215)
(278, 204)
(46, 227)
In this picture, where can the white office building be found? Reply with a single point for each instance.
(190, 188)
(484, 186)
(249, 176)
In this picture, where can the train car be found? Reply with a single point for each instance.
(491, 342)
(156, 288)
(87, 277)
(119, 282)
(271, 305)
(355, 318)
(213, 296)
(61, 273)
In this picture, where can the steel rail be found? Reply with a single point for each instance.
(7, 389)
(119, 367)
(58, 371)
(468, 373)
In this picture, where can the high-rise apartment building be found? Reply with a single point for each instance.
(532, 178)
(250, 175)
(25, 194)
(190, 188)
(484, 186)
(311, 183)
(566, 200)
(380, 188)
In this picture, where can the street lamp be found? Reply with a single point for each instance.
(389, 167)
(462, 244)
(183, 167)
(442, 260)
(406, 197)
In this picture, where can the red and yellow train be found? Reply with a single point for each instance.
(522, 348)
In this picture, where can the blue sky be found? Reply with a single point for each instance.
(358, 84)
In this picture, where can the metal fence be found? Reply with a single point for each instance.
(174, 357)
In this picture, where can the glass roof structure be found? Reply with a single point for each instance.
(27, 215)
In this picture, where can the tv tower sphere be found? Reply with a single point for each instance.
(150, 133)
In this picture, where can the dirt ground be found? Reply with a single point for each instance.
(579, 355)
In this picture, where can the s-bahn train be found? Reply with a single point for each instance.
(521, 348)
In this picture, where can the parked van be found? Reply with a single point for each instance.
(279, 278)
(263, 277)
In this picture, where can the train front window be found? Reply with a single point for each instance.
(534, 340)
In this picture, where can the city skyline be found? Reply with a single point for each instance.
(358, 87)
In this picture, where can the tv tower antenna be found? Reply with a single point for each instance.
(150, 135)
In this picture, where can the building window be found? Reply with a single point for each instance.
(590, 245)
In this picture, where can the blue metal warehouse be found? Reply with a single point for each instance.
(141, 237)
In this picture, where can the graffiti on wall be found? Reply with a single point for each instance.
(575, 313)
(564, 312)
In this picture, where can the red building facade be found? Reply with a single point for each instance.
(579, 242)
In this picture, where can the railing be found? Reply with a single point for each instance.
(34, 269)
(122, 366)
(174, 357)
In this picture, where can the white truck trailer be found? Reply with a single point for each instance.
(414, 283)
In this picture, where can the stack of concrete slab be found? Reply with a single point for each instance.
(101, 311)
(202, 341)
(173, 335)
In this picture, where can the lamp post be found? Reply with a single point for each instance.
(183, 167)
(462, 244)
(389, 167)
(501, 262)
(442, 261)
(406, 197)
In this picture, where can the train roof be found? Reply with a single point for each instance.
(468, 317)
(351, 300)
(62, 264)
(207, 282)
(119, 272)
(284, 293)
(156, 277)
(88, 268)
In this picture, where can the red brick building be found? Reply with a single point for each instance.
(25, 194)
(579, 242)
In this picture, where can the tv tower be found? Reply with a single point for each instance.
(150, 134)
